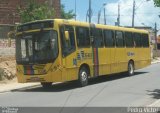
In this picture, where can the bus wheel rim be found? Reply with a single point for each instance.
(84, 76)
(131, 69)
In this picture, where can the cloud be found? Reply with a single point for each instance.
(146, 13)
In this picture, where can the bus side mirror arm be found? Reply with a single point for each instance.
(67, 35)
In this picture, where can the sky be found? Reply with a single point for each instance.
(145, 14)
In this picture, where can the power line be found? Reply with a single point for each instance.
(140, 4)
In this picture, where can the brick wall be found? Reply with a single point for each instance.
(8, 10)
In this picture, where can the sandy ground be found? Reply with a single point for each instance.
(7, 69)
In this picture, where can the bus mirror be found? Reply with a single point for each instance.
(67, 35)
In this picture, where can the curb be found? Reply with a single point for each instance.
(19, 88)
(155, 62)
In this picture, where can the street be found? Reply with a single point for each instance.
(142, 89)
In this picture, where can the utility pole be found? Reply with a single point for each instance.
(134, 3)
(104, 13)
(99, 15)
(75, 9)
(87, 16)
(118, 19)
(156, 38)
(90, 11)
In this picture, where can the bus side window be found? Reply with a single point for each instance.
(119, 39)
(145, 40)
(137, 40)
(83, 39)
(68, 46)
(129, 39)
(98, 38)
(109, 38)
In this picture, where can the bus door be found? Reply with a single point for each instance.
(98, 51)
(68, 48)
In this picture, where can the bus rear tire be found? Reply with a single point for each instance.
(46, 84)
(130, 68)
(83, 77)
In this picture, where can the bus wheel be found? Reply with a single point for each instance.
(83, 77)
(46, 84)
(130, 69)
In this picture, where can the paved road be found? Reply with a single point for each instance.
(118, 90)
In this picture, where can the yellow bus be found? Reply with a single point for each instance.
(60, 50)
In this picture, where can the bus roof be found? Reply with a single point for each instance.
(79, 23)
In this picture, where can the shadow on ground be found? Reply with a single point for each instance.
(73, 85)
(155, 93)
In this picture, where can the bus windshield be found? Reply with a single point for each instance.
(36, 47)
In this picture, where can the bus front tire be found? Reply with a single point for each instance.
(83, 77)
(46, 84)
(130, 68)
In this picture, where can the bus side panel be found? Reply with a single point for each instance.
(113, 63)
(85, 56)
(131, 55)
(120, 59)
(143, 58)
(71, 70)
(104, 61)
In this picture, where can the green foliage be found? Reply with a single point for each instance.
(66, 15)
(157, 3)
(34, 11)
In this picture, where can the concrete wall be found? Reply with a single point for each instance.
(5, 50)
(4, 43)
(156, 53)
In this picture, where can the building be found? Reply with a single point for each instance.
(9, 16)
(8, 10)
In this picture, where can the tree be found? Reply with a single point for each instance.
(157, 3)
(66, 15)
(34, 11)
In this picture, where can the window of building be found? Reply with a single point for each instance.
(83, 39)
(109, 38)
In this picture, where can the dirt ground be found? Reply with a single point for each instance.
(7, 69)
